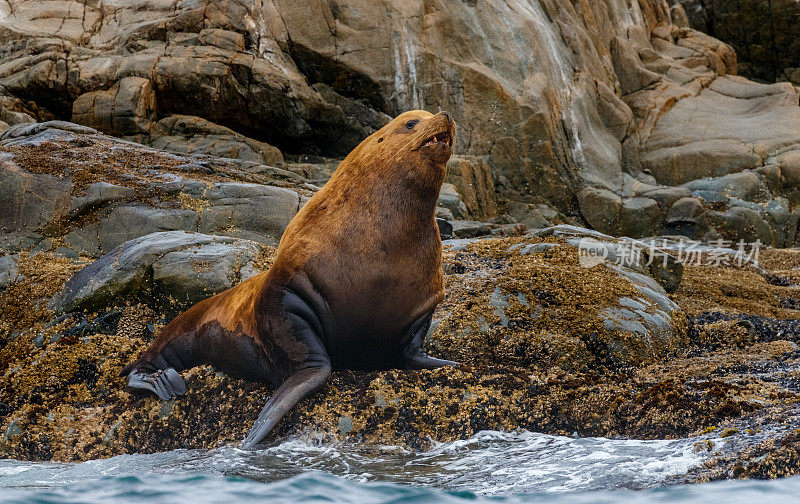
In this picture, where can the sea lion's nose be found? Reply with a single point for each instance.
(448, 115)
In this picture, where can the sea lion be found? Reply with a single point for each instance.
(357, 276)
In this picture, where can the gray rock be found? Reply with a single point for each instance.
(651, 291)
(639, 217)
(531, 216)
(745, 185)
(12, 430)
(742, 224)
(600, 207)
(686, 217)
(128, 222)
(499, 302)
(564, 230)
(667, 196)
(533, 248)
(444, 214)
(470, 229)
(8, 270)
(196, 272)
(685, 210)
(180, 265)
(194, 135)
(30, 200)
(66, 252)
(251, 211)
(99, 194)
(620, 319)
(127, 108)
(15, 242)
(724, 129)
(85, 240)
(460, 244)
(445, 228)
(632, 303)
(450, 199)
(711, 196)
(778, 217)
(28, 130)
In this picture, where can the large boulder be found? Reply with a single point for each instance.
(583, 296)
(194, 135)
(92, 193)
(127, 108)
(160, 268)
(731, 126)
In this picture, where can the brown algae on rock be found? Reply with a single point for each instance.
(520, 325)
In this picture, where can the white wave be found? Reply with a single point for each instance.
(489, 463)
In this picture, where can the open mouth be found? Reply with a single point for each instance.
(439, 138)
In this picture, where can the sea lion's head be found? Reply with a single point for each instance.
(416, 145)
(429, 135)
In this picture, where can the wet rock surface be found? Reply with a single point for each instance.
(578, 112)
(548, 342)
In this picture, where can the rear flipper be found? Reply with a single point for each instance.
(309, 317)
(165, 383)
(293, 389)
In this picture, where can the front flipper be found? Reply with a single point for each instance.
(413, 356)
(293, 389)
(165, 383)
(423, 361)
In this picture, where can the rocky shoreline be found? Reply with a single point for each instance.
(547, 343)
(152, 153)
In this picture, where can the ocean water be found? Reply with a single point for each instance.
(490, 467)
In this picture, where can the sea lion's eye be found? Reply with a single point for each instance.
(413, 122)
(380, 140)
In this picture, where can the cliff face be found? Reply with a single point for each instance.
(765, 33)
(580, 106)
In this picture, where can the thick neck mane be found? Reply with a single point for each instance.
(401, 189)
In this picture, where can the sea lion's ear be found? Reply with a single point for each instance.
(380, 140)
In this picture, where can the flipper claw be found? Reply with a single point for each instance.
(165, 383)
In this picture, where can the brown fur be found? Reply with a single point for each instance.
(368, 244)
